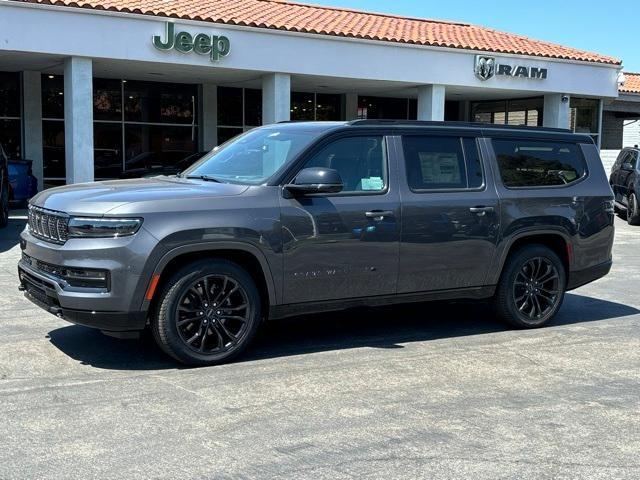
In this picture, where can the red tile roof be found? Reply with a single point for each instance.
(295, 17)
(631, 83)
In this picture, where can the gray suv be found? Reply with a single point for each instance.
(294, 218)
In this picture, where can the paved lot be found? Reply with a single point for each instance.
(413, 392)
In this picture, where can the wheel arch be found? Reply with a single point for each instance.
(558, 241)
(245, 255)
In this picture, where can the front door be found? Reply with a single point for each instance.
(344, 245)
(450, 213)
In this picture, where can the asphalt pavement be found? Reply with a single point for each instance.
(429, 391)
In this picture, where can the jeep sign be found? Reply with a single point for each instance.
(487, 67)
(202, 44)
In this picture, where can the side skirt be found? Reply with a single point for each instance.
(290, 310)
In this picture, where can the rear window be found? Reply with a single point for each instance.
(534, 163)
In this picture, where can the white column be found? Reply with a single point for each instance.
(557, 112)
(431, 102)
(32, 123)
(78, 119)
(209, 116)
(351, 106)
(276, 98)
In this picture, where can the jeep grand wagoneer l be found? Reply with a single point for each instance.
(305, 217)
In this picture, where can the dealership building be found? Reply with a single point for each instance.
(89, 90)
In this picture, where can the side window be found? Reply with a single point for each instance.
(633, 159)
(437, 163)
(535, 163)
(360, 161)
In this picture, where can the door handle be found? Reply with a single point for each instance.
(379, 215)
(482, 211)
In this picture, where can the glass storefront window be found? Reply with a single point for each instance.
(328, 107)
(151, 102)
(307, 106)
(107, 150)
(584, 115)
(526, 111)
(9, 95)
(230, 102)
(383, 108)
(302, 106)
(53, 149)
(10, 135)
(10, 128)
(151, 147)
(252, 107)
(53, 96)
(107, 99)
(157, 127)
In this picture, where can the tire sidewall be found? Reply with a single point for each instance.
(632, 213)
(514, 266)
(164, 322)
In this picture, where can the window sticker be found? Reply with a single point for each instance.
(372, 183)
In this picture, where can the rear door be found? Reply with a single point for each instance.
(450, 217)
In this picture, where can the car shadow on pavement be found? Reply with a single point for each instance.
(383, 327)
(10, 235)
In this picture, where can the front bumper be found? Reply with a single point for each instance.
(114, 309)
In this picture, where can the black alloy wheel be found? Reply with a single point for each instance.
(207, 313)
(531, 288)
(213, 314)
(536, 289)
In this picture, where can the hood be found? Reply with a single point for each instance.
(99, 198)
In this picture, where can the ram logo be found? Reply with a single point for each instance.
(485, 67)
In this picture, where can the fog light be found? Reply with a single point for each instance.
(77, 277)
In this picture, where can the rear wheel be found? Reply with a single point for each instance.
(531, 288)
(208, 313)
(633, 211)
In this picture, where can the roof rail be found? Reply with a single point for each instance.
(483, 126)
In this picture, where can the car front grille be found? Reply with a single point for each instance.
(48, 225)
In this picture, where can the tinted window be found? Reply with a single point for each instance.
(435, 163)
(533, 163)
(360, 161)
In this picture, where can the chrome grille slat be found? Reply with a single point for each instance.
(48, 225)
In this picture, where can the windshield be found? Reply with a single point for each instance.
(255, 156)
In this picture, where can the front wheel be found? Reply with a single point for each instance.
(208, 313)
(531, 288)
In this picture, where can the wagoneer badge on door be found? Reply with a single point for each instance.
(213, 45)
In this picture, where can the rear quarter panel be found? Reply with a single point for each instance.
(576, 212)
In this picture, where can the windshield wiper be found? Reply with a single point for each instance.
(207, 178)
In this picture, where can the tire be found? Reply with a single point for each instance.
(195, 328)
(4, 207)
(523, 303)
(633, 211)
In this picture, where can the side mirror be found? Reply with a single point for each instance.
(315, 180)
(627, 166)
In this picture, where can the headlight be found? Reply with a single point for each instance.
(88, 227)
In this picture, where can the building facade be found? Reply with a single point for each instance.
(116, 86)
